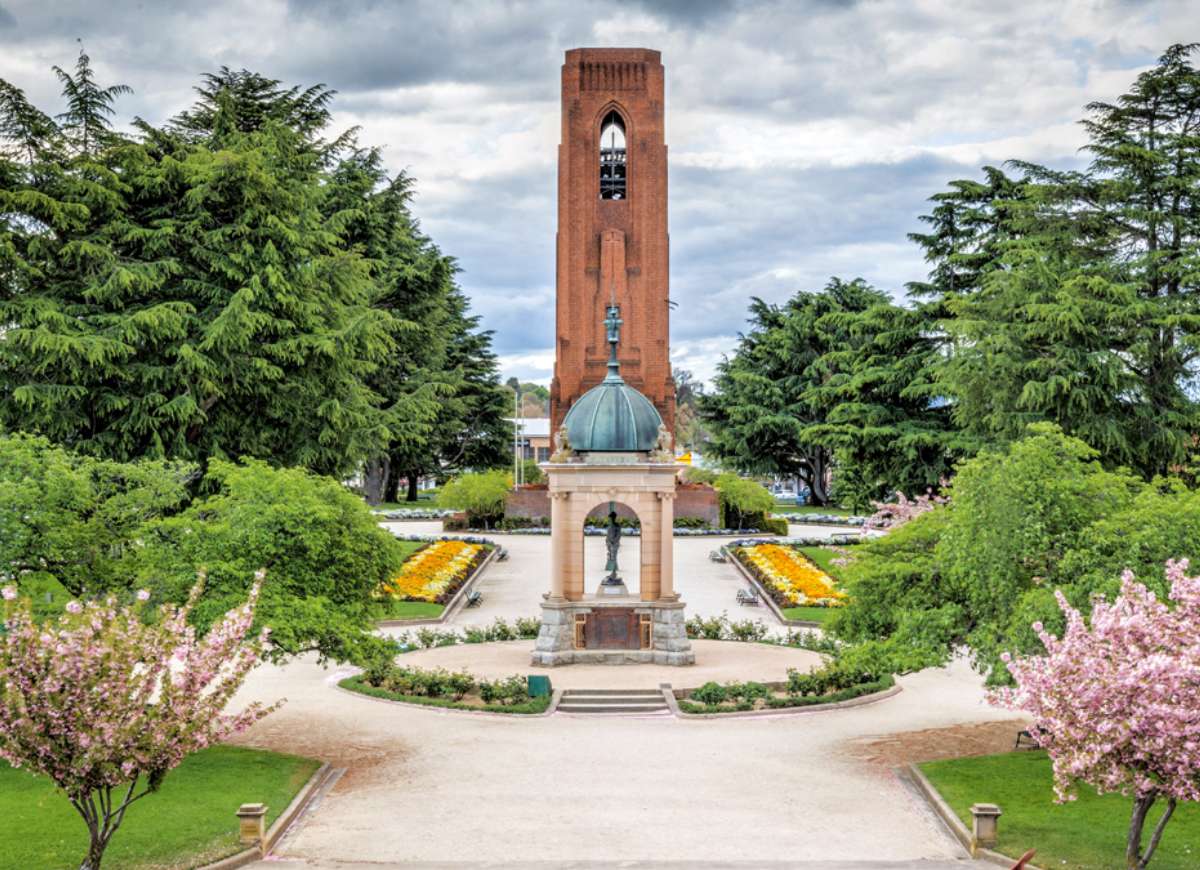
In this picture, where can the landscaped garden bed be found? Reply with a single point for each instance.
(825, 686)
(189, 822)
(1084, 834)
(797, 578)
(440, 688)
(429, 578)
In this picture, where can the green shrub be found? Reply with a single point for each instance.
(460, 683)
(322, 548)
(710, 694)
(749, 691)
(742, 501)
(528, 627)
(773, 525)
(747, 630)
(481, 495)
(474, 634)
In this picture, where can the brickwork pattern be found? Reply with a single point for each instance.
(612, 247)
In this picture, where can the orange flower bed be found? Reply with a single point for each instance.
(791, 577)
(434, 572)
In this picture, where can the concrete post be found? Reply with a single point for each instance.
(252, 822)
(983, 825)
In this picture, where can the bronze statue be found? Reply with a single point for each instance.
(612, 542)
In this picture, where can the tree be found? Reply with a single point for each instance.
(1114, 704)
(105, 702)
(324, 550)
(482, 495)
(1071, 296)
(690, 432)
(742, 500)
(843, 371)
(73, 520)
(185, 296)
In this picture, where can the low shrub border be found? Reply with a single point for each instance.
(855, 696)
(595, 531)
(533, 707)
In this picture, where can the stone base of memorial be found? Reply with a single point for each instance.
(612, 630)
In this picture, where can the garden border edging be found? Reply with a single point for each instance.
(951, 820)
(763, 594)
(862, 700)
(452, 606)
(280, 826)
(555, 697)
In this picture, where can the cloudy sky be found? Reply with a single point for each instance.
(804, 136)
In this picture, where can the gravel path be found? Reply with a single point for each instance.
(438, 788)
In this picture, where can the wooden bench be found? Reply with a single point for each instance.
(474, 598)
(716, 556)
(747, 596)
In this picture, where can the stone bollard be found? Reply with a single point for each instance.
(252, 820)
(983, 825)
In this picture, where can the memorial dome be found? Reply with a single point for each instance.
(612, 417)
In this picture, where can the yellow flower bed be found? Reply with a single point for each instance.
(793, 575)
(430, 572)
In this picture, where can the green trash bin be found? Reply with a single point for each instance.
(538, 684)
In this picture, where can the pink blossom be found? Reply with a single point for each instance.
(99, 699)
(143, 595)
(9, 593)
(890, 515)
(1115, 703)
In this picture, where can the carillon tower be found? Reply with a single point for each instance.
(612, 226)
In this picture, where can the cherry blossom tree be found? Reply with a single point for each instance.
(1117, 704)
(890, 514)
(105, 701)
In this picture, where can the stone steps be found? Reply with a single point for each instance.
(613, 701)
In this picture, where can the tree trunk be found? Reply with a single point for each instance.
(95, 854)
(413, 478)
(375, 479)
(1133, 843)
(391, 487)
(1135, 858)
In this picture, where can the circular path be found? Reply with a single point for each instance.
(426, 787)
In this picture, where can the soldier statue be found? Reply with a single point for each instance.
(612, 542)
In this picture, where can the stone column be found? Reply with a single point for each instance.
(648, 579)
(574, 513)
(559, 530)
(666, 567)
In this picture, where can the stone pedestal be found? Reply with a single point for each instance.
(589, 631)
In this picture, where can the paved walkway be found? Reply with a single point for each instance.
(442, 788)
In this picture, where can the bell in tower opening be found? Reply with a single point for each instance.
(612, 157)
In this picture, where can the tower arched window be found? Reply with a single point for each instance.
(612, 157)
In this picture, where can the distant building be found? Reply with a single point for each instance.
(533, 437)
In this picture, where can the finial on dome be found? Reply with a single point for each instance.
(613, 324)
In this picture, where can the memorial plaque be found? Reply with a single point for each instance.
(613, 628)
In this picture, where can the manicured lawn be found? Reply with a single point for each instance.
(823, 557)
(1087, 833)
(410, 610)
(812, 614)
(189, 821)
(410, 547)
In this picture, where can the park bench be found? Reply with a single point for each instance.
(747, 596)
(474, 598)
(716, 556)
(1024, 738)
(501, 554)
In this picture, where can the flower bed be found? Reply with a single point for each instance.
(439, 688)
(397, 514)
(790, 577)
(826, 686)
(435, 572)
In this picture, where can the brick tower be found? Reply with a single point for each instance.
(612, 226)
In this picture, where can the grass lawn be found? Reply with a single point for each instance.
(410, 610)
(1087, 833)
(189, 821)
(823, 557)
(811, 614)
(410, 547)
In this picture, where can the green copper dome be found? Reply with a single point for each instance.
(612, 417)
